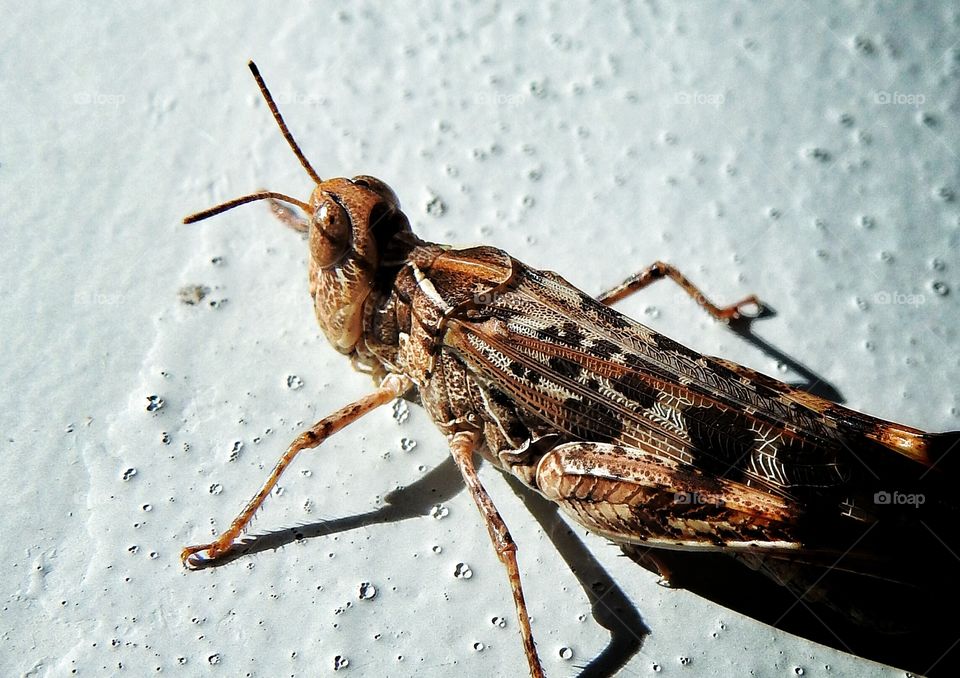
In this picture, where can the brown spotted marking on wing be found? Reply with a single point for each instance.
(614, 380)
(607, 378)
(910, 442)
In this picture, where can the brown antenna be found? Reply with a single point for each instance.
(264, 195)
(283, 126)
(230, 204)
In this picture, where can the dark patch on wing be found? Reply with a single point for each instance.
(668, 344)
(516, 429)
(632, 387)
(587, 303)
(607, 314)
(528, 375)
(545, 334)
(722, 438)
(571, 333)
(593, 307)
(504, 313)
(500, 398)
(849, 420)
(604, 349)
(567, 334)
(636, 362)
(810, 466)
(564, 367)
(591, 420)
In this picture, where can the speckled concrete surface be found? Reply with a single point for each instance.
(803, 151)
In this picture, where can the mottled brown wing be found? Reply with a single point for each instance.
(771, 473)
(773, 401)
(598, 376)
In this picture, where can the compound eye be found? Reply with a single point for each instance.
(379, 187)
(329, 234)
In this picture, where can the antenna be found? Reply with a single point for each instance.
(264, 195)
(236, 202)
(283, 126)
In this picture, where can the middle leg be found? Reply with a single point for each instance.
(658, 270)
(462, 447)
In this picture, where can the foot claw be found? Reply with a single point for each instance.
(745, 309)
(751, 307)
(193, 559)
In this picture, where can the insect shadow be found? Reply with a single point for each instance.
(713, 576)
(923, 644)
(610, 606)
(810, 381)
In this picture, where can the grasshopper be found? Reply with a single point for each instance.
(636, 437)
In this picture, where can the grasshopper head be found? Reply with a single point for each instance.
(358, 238)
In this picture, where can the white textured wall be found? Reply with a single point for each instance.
(805, 151)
